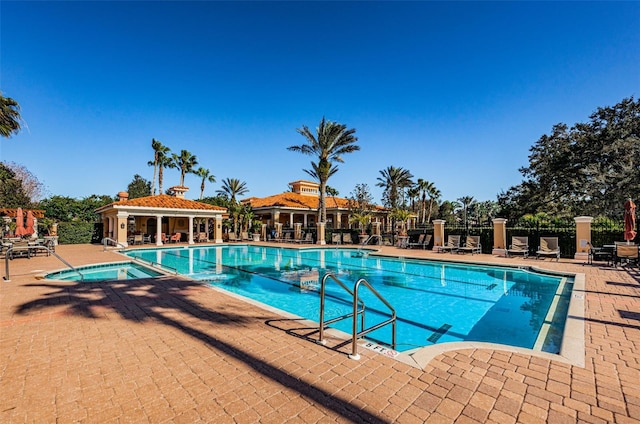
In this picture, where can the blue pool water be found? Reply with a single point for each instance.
(105, 272)
(435, 301)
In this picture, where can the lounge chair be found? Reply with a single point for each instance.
(423, 241)
(308, 238)
(548, 247)
(164, 238)
(176, 237)
(419, 242)
(137, 239)
(471, 245)
(452, 244)
(627, 254)
(287, 238)
(519, 246)
(203, 238)
(346, 238)
(335, 238)
(146, 238)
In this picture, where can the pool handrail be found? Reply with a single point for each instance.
(355, 335)
(116, 243)
(51, 252)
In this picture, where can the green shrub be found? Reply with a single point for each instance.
(75, 232)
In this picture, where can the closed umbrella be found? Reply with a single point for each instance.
(30, 221)
(20, 230)
(629, 220)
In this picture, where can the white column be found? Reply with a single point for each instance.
(158, 230)
(190, 229)
(291, 219)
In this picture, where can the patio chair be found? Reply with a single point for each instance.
(287, 238)
(548, 247)
(423, 241)
(471, 245)
(626, 254)
(335, 238)
(164, 238)
(452, 244)
(605, 253)
(308, 238)
(146, 238)
(137, 239)
(519, 246)
(346, 238)
(203, 238)
(176, 237)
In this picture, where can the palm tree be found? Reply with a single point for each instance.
(164, 161)
(434, 195)
(394, 181)
(362, 219)
(206, 175)
(332, 141)
(466, 201)
(232, 187)
(158, 150)
(185, 162)
(9, 116)
(422, 186)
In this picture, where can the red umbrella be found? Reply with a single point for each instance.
(20, 230)
(629, 220)
(30, 221)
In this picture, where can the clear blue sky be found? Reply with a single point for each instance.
(455, 92)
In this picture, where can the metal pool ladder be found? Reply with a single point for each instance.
(359, 310)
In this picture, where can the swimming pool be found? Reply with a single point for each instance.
(105, 272)
(436, 302)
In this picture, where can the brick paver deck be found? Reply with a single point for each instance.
(176, 351)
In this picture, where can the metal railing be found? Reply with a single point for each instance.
(106, 240)
(28, 248)
(359, 309)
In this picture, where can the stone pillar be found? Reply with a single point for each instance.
(305, 220)
(290, 219)
(297, 230)
(338, 220)
(438, 233)
(121, 228)
(217, 231)
(321, 227)
(583, 237)
(263, 232)
(278, 230)
(499, 237)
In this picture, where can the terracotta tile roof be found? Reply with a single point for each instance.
(165, 201)
(295, 200)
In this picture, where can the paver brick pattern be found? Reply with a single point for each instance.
(172, 350)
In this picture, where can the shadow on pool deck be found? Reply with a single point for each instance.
(158, 299)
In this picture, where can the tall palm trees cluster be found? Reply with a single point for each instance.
(185, 161)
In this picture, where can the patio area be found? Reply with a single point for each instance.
(177, 351)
